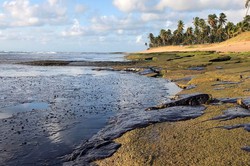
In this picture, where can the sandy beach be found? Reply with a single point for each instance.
(241, 43)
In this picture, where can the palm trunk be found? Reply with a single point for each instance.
(247, 10)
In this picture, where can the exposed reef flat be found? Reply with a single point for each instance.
(199, 141)
(79, 63)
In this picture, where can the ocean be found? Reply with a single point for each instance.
(48, 111)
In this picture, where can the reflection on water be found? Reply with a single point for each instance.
(8, 112)
(12, 70)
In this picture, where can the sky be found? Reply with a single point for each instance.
(99, 25)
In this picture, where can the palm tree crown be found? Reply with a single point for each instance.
(214, 29)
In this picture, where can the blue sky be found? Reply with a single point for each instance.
(99, 25)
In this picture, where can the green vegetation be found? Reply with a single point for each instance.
(211, 30)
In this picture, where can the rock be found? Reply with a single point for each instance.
(146, 72)
(219, 67)
(227, 100)
(102, 145)
(156, 69)
(191, 87)
(182, 86)
(233, 113)
(149, 59)
(151, 71)
(104, 69)
(188, 56)
(132, 69)
(221, 88)
(170, 59)
(225, 83)
(188, 100)
(221, 59)
(245, 103)
(184, 79)
(246, 148)
(246, 127)
(187, 87)
(196, 68)
(176, 57)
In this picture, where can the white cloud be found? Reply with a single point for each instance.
(53, 2)
(109, 24)
(101, 38)
(79, 8)
(21, 13)
(120, 31)
(168, 24)
(139, 39)
(177, 5)
(75, 30)
(130, 5)
(232, 13)
(196, 5)
(2, 36)
(150, 16)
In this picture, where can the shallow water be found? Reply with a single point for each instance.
(7, 112)
(12, 57)
(77, 102)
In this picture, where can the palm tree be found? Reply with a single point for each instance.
(247, 6)
(175, 39)
(203, 30)
(189, 36)
(196, 29)
(242, 27)
(247, 22)
(215, 29)
(152, 40)
(220, 32)
(180, 27)
(179, 34)
(222, 19)
(247, 19)
(163, 35)
(212, 21)
(230, 30)
(158, 41)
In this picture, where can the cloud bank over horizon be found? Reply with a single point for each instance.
(111, 25)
